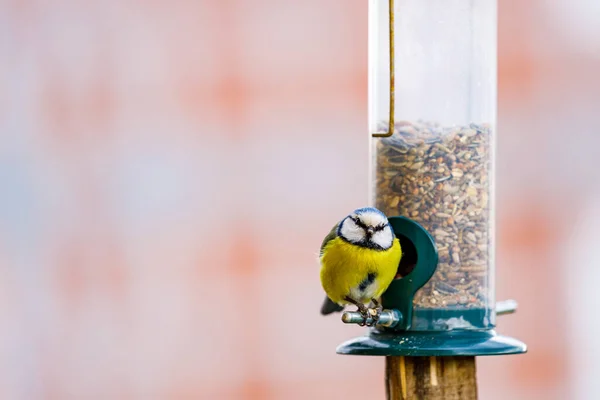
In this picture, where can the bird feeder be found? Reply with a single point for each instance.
(432, 100)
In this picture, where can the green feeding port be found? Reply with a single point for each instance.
(444, 330)
(409, 257)
(400, 293)
(412, 236)
(430, 298)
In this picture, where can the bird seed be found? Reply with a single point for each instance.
(441, 178)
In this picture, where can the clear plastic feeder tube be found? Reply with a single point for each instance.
(437, 166)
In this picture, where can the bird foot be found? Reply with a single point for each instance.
(377, 305)
(370, 316)
(364, 311)
(375, 314)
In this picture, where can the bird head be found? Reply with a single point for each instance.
(367, 227)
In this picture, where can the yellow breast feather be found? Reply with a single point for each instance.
(344, 266)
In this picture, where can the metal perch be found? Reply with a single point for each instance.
(391, 318)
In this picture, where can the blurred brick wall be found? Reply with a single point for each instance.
(168, 170)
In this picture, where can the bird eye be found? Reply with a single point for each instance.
(358, 222)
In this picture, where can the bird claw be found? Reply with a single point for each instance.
(370, 316)
(365, 314)
(375, 314)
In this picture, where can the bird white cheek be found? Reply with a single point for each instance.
(352, 232)
(383, 238)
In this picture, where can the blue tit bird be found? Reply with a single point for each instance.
(359, 259)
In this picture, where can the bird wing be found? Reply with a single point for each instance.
(329, 306)
(330, 236)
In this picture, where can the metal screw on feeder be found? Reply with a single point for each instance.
(432, 112)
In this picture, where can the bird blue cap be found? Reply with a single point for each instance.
(367, 209)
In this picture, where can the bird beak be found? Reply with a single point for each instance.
(370, 231)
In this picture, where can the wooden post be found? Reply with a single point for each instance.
(430, 378)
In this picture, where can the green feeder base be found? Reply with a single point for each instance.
(430, 343)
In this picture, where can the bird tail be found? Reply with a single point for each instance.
(329, 307)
